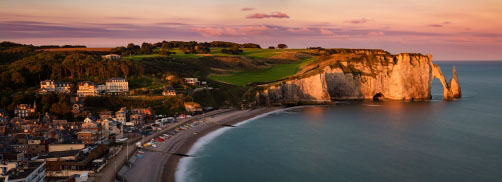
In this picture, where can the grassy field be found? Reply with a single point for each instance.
(142, 56)
(77, 49)
(247, 52)
(260, 53)
(276, 72)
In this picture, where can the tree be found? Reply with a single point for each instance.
(271, 47)
(146, 48)
(17, 78)
(61, 109)
(72, 64)
(282, 46)
(125, 69)
(202, 49)
(131, 49)
(251, 45)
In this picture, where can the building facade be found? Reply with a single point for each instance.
(121, 115)
(117, 86)
(111, 57)
(192, 107)
(192, 81)
(24, 110)
(52, 86)
(90, 89)
(87, 137)
(135, 120)
(169, 91)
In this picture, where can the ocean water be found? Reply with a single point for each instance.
(366, 141)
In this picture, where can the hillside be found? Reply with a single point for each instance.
(232, 72)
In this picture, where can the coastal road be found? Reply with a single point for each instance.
(152, 167)
(114, 164)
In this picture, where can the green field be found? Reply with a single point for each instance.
(276, 72)
(142, 56)
(247, 52)
(260, 53)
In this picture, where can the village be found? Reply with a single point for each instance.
(38, 146)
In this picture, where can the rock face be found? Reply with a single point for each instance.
(358, 76)
(451, 89)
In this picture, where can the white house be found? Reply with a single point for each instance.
(52, 86)
(121, 115)
(111, 57)
(88, 88)
(117, 86)
(192, 81)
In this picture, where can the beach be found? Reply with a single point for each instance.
(161, 166)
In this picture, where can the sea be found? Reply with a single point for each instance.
(429, 141)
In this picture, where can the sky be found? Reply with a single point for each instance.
(447, 29)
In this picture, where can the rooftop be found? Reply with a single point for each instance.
(31, 166)
(57, 154)
(116, 79)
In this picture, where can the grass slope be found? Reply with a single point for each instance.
(247, 52)
(276, 72)
(142, 56)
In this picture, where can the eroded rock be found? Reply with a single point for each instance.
(359, 76)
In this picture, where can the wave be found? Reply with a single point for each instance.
(182, 170)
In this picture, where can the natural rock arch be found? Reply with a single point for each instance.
(378, 96)
(451, 89)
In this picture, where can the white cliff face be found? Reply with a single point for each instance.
(405, 77)
(310, 90)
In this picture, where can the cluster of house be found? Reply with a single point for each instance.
(36, 150)
(41, 142)
(112, 86)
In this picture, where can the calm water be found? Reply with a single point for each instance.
(357, 141)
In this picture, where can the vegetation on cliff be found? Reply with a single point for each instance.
(231, 69)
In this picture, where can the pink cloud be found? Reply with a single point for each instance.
(326, 31)
(298, 30)
(232, 31)
(357, 21)
(247, 9)
(271, 15)
(209, 31)
(257, 16)
(279, 15)
(376, 33)
(435, 25)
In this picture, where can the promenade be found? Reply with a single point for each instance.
(108, 173)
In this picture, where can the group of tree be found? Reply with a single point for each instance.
(56, 104)
(282, 46)
(57, 46)
(234, 50)
(132, 49)
(279, 46)
(29, 71)
(187, 47)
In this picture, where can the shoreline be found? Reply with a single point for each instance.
(171, 163)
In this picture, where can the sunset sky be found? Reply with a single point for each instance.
(447, 29)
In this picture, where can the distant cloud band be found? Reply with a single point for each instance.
(247, 9)
(271, 15)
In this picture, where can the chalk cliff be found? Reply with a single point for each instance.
(358, 74)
